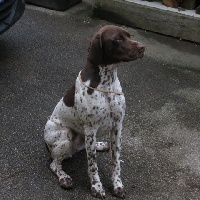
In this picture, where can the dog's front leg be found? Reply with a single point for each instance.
(116, 138)
(90, 144)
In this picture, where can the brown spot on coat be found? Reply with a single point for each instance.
(69, 97)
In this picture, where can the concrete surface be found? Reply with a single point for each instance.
(152, 16)
(40, 58)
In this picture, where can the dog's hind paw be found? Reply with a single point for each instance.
(66, 182)
(102, 146)
(120, 193)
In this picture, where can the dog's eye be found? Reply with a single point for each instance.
(121, 38)
(129, 35)
(118, 40)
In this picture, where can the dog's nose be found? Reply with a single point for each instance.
(140, 47)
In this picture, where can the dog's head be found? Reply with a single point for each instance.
(112, 44)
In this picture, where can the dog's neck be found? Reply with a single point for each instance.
(108, 74)
(103, 74)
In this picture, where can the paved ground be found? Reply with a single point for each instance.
(40, 58)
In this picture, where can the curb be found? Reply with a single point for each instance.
(150, 16)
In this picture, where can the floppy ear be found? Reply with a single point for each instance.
(95, 51)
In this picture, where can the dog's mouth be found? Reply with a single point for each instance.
(133, 57)
(140, 55)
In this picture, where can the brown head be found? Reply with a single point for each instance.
(112, 44)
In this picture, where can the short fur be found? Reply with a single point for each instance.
(83, 113)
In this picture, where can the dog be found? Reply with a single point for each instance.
(94, 106)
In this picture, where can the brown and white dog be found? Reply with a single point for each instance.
(92, 107)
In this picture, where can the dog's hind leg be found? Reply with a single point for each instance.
(58, 154)
(64, 179)
(58, 140)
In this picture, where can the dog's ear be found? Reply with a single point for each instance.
(95, 50)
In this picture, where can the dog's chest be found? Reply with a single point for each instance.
(101, 109)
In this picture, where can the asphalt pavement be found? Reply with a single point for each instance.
(40, 57)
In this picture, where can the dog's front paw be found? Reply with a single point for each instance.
(120, 192)
(98, 191)
(66, 182)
